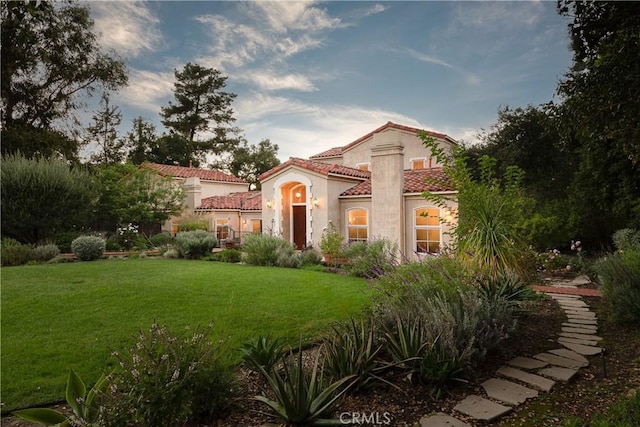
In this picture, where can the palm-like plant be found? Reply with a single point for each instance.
(302, 398)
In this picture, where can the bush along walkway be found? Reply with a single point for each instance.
(524, 378)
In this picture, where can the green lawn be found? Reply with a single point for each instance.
(74, 315)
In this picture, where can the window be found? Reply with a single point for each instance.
(418, 163)
(363, 166)
(256, 226)
(222, 229)
(427, 230)
(357, 225)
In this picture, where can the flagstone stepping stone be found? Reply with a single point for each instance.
(563, 352)
(535, 381)
(565, 296)
(563, 285)
(581, 280)
(526, 363)
(441, 420)
(507, 391)
(588, 337)
(573, 303)
(558, 360)
(580, 325)
(481, 408)
(563, 340)
(582, 331)
(558, 373)
(583, 321)
(586, 350)
(586, 315)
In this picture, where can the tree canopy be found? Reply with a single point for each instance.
(50, 60)
(249, 161)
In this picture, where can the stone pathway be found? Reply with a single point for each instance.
(524, 378)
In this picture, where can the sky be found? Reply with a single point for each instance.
(310, 76)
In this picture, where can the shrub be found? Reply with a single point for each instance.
(509, 287)
(625, 412)
(64, 239)
(371, 259)
(192, 222)
(263, 352)
(112, 246)
(88, 248)
(127, 235)
(46, 252)
(171, 254)
(15, 253)
(228, 255)
(169, 379)
(265, 250)
(195, 244)
(161, 239)
(300, 397)
(310, 257)
(626, 239)
(620, 277)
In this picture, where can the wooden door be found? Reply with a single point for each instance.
(300, 226)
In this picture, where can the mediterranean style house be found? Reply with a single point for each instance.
(369, 189)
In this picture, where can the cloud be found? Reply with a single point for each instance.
(127, 27)
(270, 81)
(469, 77)
(375, 9)
(146, 89)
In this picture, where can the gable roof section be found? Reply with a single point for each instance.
(185, 172)
(336, 152)
(318, 167)
(242, 201)
(415, 181)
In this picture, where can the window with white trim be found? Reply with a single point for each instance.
(418, 163)
(363, 166)
(427, 230)
(357, 225)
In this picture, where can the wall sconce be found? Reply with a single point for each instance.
(298, 194)
(244, 221)
(269, 204)
(316, 202)
(447, 212)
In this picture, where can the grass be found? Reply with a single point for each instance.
(61, 316)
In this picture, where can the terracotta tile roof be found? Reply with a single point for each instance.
(184, 172)
(415, 181)
(318, 167)
(332, 152)
(389, 125)
(245, 201)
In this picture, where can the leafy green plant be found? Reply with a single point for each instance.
(265, 250)
(626, 239)
(620, 277)
(371, 259)
(228, 255)
(45, 252)
(263, 352)
(509, 287)
(83, 404)
(406, 344)
(354, 349)
(302, 398)
(14, 253)
(195, 244)
(168, 379)
(332, 244)
(310, 256)
(88, 248)
(625, 412)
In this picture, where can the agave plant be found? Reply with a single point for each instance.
(351, 350)
(302, 398)
(264, 352)
(83, 404)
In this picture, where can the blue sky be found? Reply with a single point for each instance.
(314, 75)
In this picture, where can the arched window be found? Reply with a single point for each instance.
(357, 225)
(427, 230)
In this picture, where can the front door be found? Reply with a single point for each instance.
(300, 226)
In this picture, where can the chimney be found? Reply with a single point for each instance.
(193, 191)
(387, 187)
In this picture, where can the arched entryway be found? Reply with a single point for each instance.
(298, 195)
(293, 209)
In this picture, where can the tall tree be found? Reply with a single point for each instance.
(50, 59)
(601, 113)
(202, 112)
(103, 132)
(140, 140)
(602, 88)
(249, 161)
